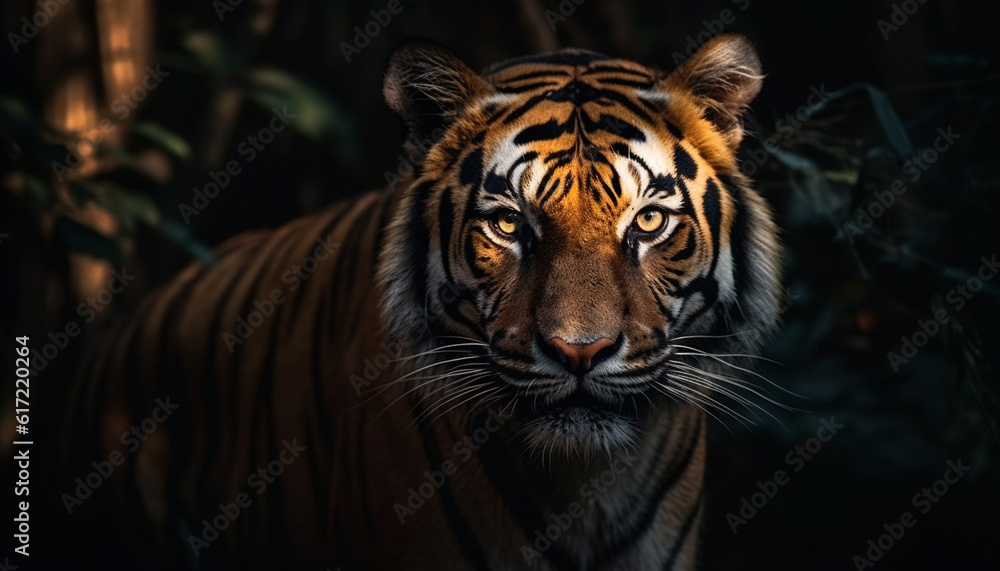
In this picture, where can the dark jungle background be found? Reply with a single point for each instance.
(876, 333)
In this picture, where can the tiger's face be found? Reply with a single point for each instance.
(578, 231)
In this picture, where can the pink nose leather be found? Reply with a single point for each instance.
(579, 355)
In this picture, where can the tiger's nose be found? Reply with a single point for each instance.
(580, 358)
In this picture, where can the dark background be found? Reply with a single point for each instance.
(851, 297)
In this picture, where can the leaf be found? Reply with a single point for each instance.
(212, 52)
(181, 235)
(886, 113)
(891, 123)
(38, 193)
(84, 239)
(317, 115)
(167, 139)
(849, 177)
(128, 207)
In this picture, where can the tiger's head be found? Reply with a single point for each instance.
(579, 242)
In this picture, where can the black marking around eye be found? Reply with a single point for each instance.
(495, 184)
(471, 173)
(684, 164)
(663, 183)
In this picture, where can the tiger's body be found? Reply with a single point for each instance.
(483, 370)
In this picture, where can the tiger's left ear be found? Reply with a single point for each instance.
(427, 85)
(724, 76)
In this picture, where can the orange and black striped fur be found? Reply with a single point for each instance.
(521, 344)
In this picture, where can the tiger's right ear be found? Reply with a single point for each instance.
(426, 85)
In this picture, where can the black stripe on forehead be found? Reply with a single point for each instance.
(578, 94)
(575, 92)
(568, 58)
(552, 129)
(616, 69)
(547, 131)
(544, 73)
(614, 125)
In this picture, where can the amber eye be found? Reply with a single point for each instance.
(650, 220)
(508, 221)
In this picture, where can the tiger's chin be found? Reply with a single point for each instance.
(580, 425)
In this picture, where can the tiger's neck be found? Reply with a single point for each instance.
(601, 512)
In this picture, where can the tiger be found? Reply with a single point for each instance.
(508, 361)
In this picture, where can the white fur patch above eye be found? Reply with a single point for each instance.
(498, 99)
(654, 95)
